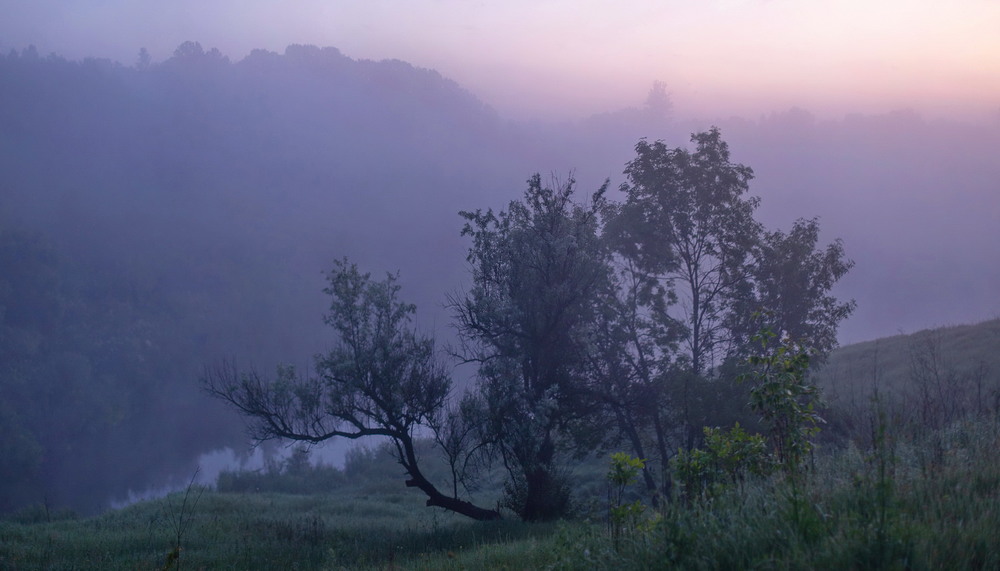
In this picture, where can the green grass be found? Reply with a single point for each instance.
(850, 370)
(916, 499)
(253, 531)
(923, 510)
(920, 513)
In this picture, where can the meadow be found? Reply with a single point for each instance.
(932, 503)
(899, 495)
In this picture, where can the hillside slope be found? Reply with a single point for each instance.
(928, 378)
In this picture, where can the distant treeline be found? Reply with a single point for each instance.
(158, 217)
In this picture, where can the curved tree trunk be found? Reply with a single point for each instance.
(434, 496)
(437, 499)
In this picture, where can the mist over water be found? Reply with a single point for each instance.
(159, 218)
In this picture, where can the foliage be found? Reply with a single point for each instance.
(578, 315)
(169, 214)
(179, 518)
(785, 399)
(624, 472)
(748, 522)
(739, 529)
(686, 220)
(536, 269)
(293, 476)
(91, 371)
(794, 279)
(880, 481)
(343, 529)
(744, 529)
(726, 460)
(944, 389)
(693, 269)
(381, 379)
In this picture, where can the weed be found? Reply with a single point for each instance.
(179, 523)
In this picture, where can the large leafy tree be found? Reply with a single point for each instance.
(688, 221)
(537, 268)
(696, 270)
(686, 233)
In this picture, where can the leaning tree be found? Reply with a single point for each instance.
(380, 379)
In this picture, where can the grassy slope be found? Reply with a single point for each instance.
(851, 369)
(927, 504)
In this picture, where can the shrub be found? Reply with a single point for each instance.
(728, 457)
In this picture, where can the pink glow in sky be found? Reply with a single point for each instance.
(575, 57)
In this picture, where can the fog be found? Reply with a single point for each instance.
(569, 59)
(158, 216)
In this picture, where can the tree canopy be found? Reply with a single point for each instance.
(536, 270)
(589, 323)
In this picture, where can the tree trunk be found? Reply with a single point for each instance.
(437, 499)
(661, 444)
(434, 497)
(647, 472)
(546, 498)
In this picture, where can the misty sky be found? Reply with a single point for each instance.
(534, 58)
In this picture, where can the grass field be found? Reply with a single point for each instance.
(250, 531)
(907, 496)
(960, 355)
(928, 504)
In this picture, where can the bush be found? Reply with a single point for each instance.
(728, 458)
(296, 475)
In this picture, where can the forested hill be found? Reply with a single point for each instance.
(158, 218)
(275, 134)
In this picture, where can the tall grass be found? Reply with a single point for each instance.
(252, 531)
(891, 507)
(917, 501)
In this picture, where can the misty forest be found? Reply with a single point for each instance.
(423, 335)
